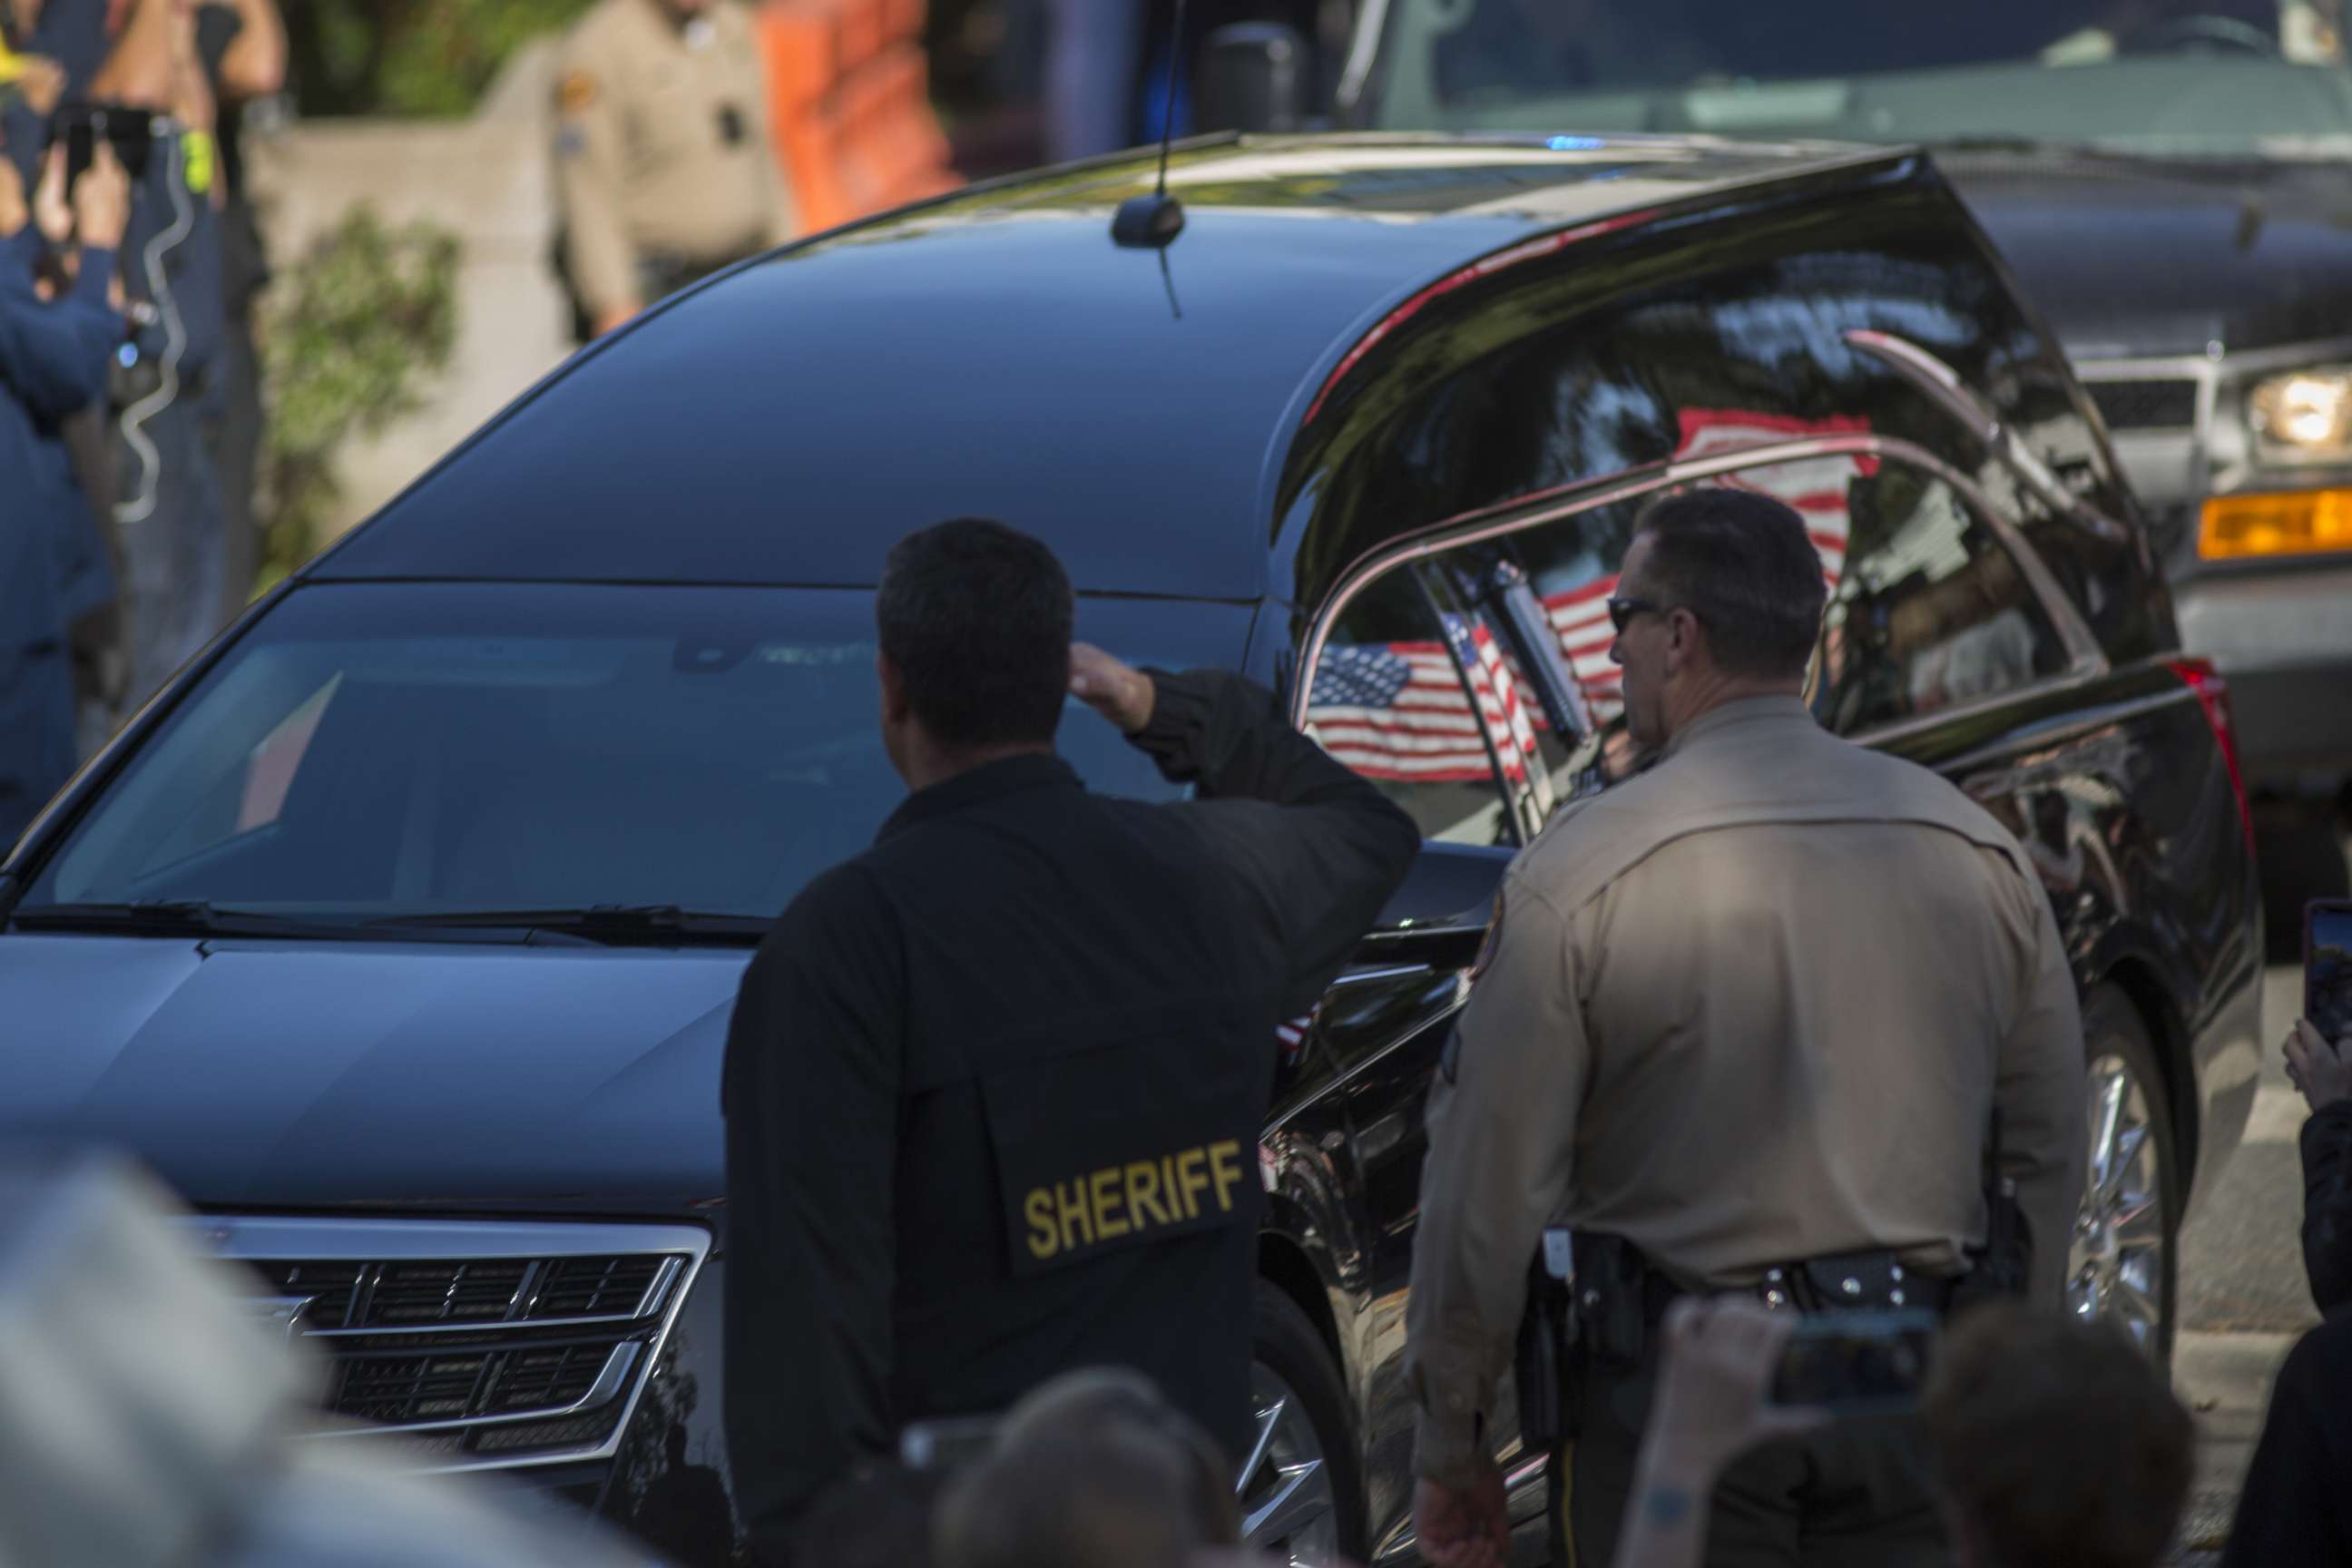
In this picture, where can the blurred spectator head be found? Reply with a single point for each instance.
(1094, 1470)
(2056, 1443)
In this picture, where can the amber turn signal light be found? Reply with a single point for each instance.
(2292, 522)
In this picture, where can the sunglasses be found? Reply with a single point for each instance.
(1623, 611)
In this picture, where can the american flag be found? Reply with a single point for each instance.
(1511, 709)
(1290, 1038)
(1397, 711)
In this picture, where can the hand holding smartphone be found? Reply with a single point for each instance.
(1853, 1363)
(2328, 967)
(2316, 1060)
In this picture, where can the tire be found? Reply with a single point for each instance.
(1304, 1417)
(2300, 859)
(2124, 1257)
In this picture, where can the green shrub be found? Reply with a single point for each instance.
(349, 333)
(410, 56)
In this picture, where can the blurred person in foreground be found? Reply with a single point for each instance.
(664, 165)
(1755, 1020)
(1094, 1470)
(2055, 1442)
(2294, 1508)
(58, 334)
(150, 1419)
(993, 1088)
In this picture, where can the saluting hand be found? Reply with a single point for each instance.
(2318, 1068)
(1119, 692)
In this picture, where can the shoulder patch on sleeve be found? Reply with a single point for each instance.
(575, 93)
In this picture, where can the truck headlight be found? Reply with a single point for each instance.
(2304, 415)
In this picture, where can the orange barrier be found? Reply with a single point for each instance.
(850, 92)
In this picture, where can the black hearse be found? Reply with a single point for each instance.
(399, 932)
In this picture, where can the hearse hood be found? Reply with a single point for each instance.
(319, 1075)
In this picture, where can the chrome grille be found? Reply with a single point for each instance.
(332, 1285)
(436, 1293)
(584, 1287)
(546, 1379)
(408, 1388)
(474, 1343)
(2167, 403)
(348, 1296)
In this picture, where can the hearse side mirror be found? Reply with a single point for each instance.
(1253, 77)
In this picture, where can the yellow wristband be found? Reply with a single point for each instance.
(196, 150)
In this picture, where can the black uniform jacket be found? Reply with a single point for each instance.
(2327, 1204)
(2294, 1509)
(993, 1087)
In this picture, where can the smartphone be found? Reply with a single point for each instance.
(2327, 966)
(1857, 1362)
(132, 131)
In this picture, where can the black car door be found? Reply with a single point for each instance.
(1422, 688)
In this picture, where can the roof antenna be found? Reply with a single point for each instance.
(1149, 223)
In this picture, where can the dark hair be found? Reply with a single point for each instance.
(1744, 564)
(1094, 1470)
(2056, 1441)
(976, 616)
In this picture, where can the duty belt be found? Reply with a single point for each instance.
(1619, 1296)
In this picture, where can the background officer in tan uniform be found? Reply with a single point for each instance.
(663, 160)
(1753, 1007)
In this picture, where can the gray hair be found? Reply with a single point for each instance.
(1093, 1470)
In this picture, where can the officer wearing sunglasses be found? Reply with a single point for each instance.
(1744, 1028)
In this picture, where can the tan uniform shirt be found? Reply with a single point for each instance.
(662, 145)
(1755, 1006)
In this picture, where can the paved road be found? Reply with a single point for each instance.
(2243, 1299)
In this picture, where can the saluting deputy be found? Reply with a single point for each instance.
(1744, 1026)
(993, 1087)
(664, 166)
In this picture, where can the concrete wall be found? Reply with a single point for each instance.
(488, 180)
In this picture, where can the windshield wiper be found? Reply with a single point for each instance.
(654, 924)
(172, 917)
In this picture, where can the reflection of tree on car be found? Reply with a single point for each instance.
(1930, 613)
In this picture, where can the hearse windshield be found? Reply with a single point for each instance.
(418, 755)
